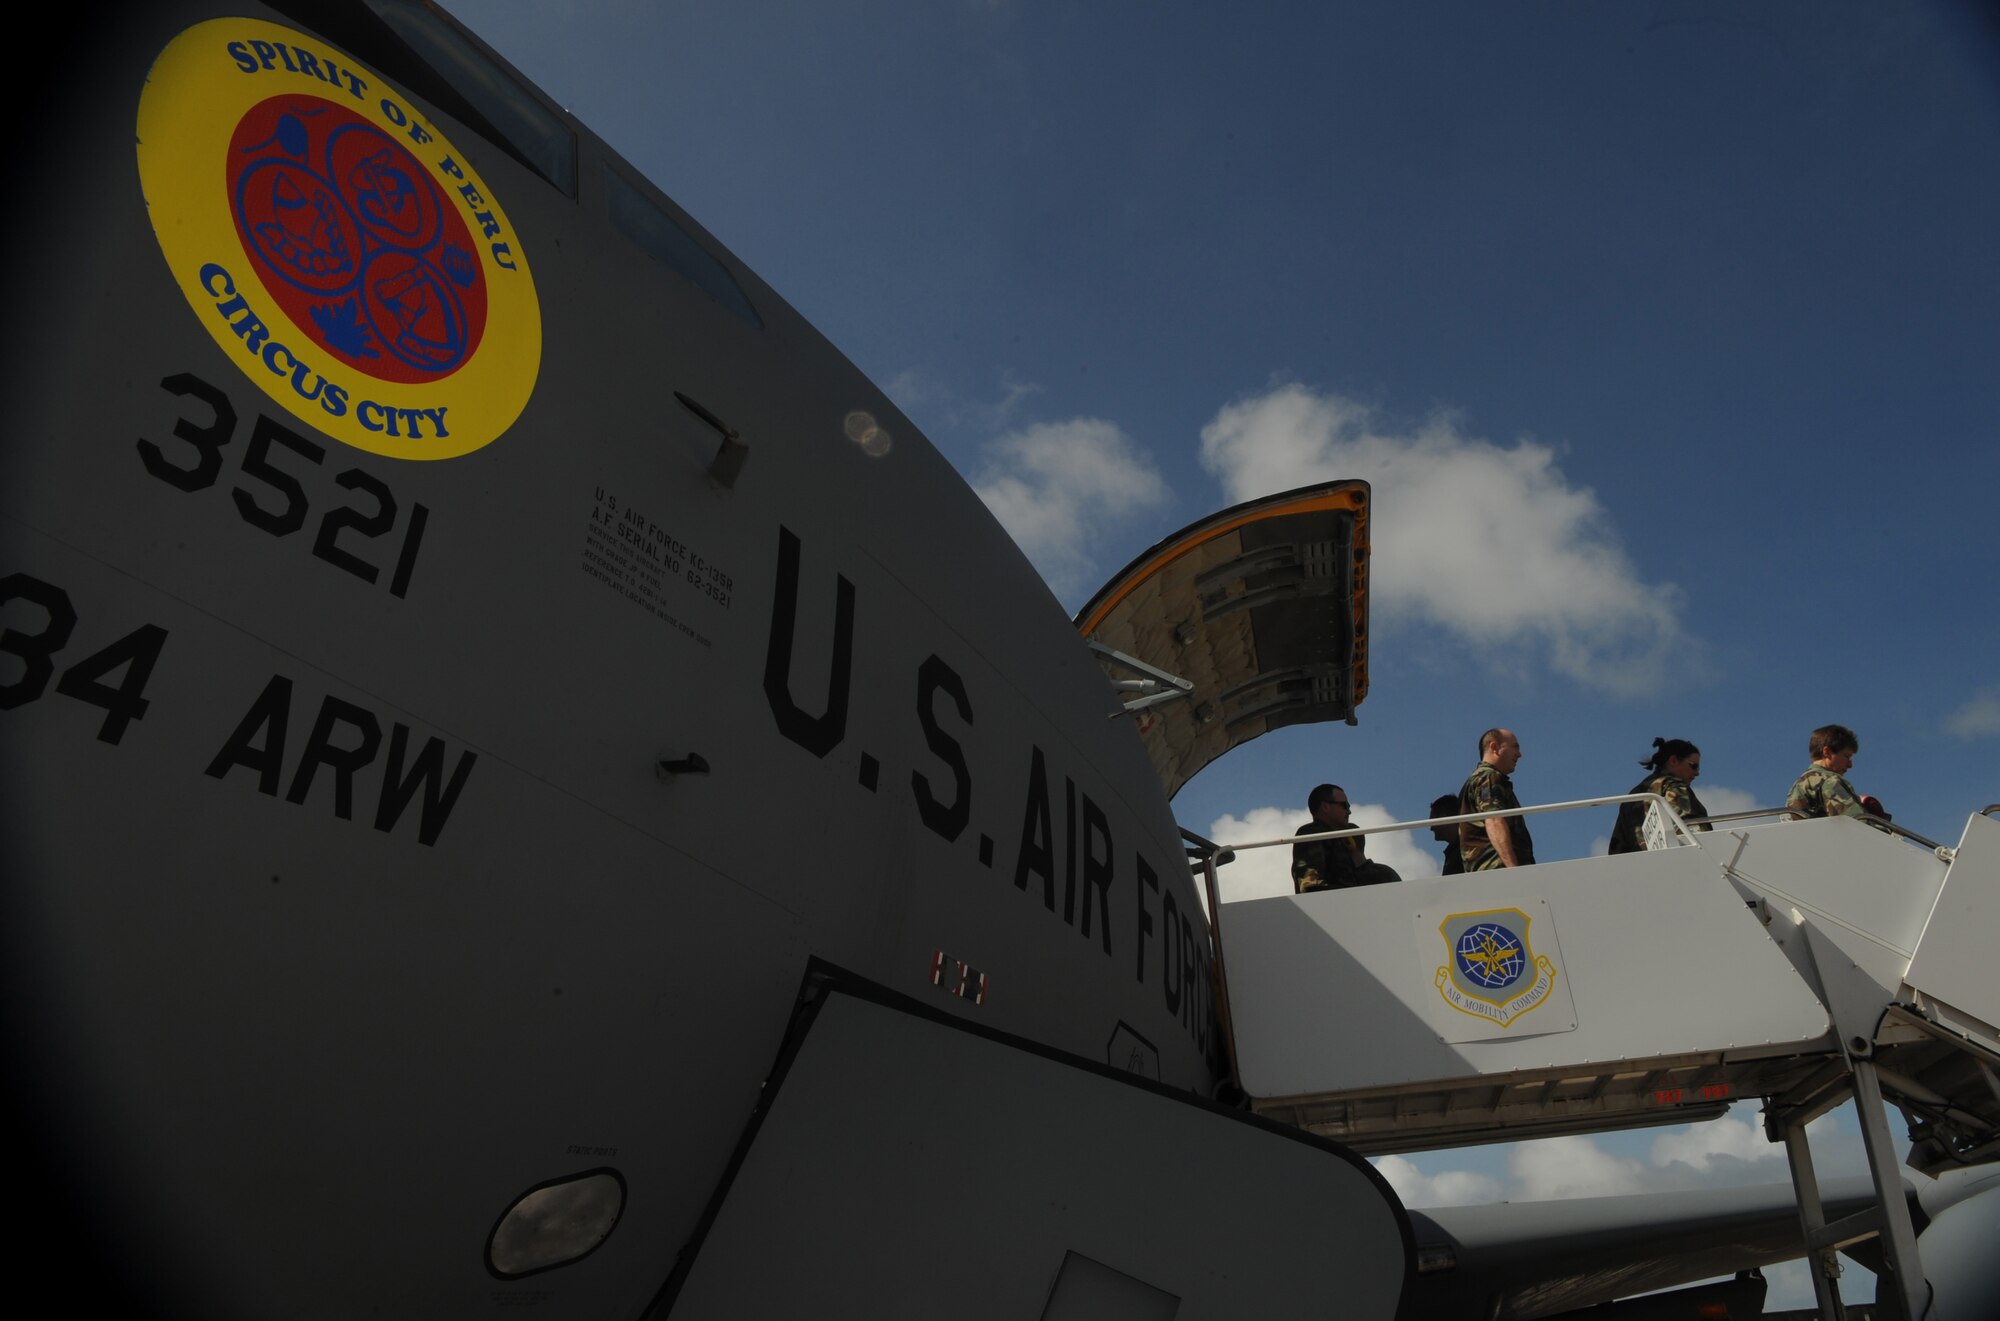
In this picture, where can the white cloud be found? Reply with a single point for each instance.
(1552, 1168)
(1058, 487)
(1404, 850)
(1257, 873)
(1448, 1188)
(1261, 873)
(940, 410)
(1978, 718)
(1733, 1150)
(1720, 799)
(1702, 1146)
(1727, 1151)
(1492, 544)
(1789, 1286)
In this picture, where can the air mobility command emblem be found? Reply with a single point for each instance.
(1491, 972)
(336, 246)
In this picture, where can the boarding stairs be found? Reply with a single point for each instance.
(1749, 956)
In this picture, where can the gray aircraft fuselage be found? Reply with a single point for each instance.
(378, 514)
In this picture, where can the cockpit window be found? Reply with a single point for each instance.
(535, 134)
(639, 218)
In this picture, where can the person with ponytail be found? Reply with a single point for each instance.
(1670, 773)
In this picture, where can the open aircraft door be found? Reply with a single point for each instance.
(1249, 620)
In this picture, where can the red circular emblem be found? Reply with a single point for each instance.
(351, 238)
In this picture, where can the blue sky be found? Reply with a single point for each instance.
(1669, 334)
(1666, 332)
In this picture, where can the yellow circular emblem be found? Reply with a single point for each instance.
(334, 244)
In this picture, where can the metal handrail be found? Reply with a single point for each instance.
(1203, 846)
(1880, 823)
(1227, 1018)
(1468, 816)
(1883, 823)
(1748, 815)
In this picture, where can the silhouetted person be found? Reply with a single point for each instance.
(1333, 864)
(1446, 805)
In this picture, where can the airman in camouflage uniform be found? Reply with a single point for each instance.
(1673, 766)
(1678, 793)
(1823, 790)
(1333, 864)
(1496, 841)
(1324, 864)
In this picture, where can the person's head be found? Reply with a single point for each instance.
(1833, 746)
(1500, 749)
(1676, 756)
(1444, 805)
(1328, 805)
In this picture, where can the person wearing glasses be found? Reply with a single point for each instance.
(1670, 773)
(1333, 864)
